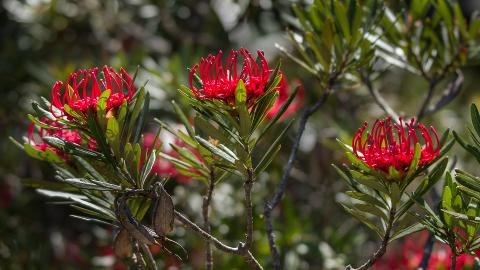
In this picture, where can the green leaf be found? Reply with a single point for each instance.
(475, 118)
(461, 216)
(341, 18)
(447, 204)
(217, 151)
(141, 118)
(112, 133)
(468, 180)
(83, 184)
(279, 113)
(90, 219)
(369, 181)
(147, 168)
(41, 124)
(72, 148)
(240, 102)
(101, 107)
(184, 119)
(393, 174)
(406, 231)
(60, 194)
(133, 116)
(469, 192)
(46, 155)
(268, 156)
(42, 112)
(414, 164)
(365, 220)
(366, 198)
(371, 209)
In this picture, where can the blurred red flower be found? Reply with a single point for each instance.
(409, 256)
(284, 91)
(162, 166)
(36, 135)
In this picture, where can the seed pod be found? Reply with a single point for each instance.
(163, 212)
(122, 246)
(139, 231)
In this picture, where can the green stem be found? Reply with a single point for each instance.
(454, 259)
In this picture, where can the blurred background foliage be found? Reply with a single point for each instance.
(44, 40)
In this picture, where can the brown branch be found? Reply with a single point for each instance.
(149, 257)
(426, 101)
(249, 209)
(381, 102)
(206, 223)
(239, 250)
(449, 93)
(383, 246)
(280, 190)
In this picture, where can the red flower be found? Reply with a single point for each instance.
(36, 138)
(284, 92)
(220, 81)
(382, 149)
(163, 167)
(409, 255)
(82, 89)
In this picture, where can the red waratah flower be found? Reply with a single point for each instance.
(284, 92)
(220, 81)
(82, 89)
(36, 138)
(408, 256)
(163, 167)
(393, 145)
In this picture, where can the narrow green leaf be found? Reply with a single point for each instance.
(216, 151)
(101, 107)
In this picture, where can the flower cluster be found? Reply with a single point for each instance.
(163, 167)
(83, 88)
(219, 81)
(36, 135)
(382, 149)
(409, 256)
(284, 91)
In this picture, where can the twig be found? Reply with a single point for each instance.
(276, 198)
(427, 251)
(383, 246)
(149, 257)
(424, 107)
(239, 250)
(206, 223)
(451, 91)
(248, 205)
(382, 103)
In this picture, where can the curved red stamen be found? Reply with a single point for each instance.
(220, 80)
(91, 87)
(382, 149)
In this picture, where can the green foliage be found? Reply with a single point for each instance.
(430, 38)
(331, 37)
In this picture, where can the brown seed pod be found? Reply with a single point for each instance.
(122, 246)
(163, 215)
(139, 231)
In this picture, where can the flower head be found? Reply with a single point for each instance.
(393, 145)
(219, 81)
(284, 91)
(83, 88)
